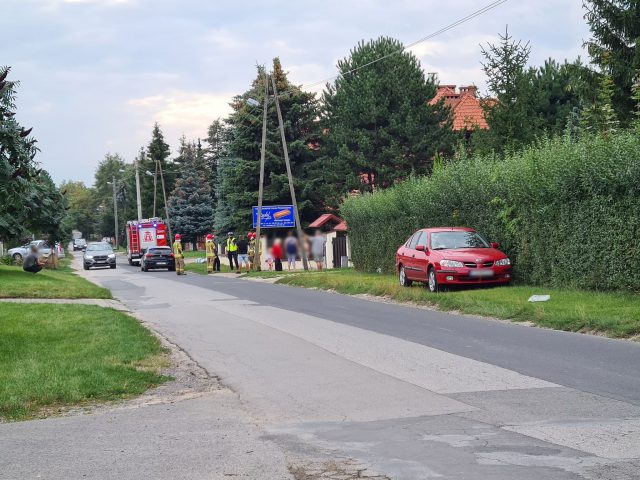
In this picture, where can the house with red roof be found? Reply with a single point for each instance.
(465, 105)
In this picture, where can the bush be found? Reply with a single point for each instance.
(567, 212)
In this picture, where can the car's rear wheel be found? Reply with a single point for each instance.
(17, 258)
(404, 281)
(432, 281)
(130, 262)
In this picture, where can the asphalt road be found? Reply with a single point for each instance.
(592, 364)
(334, 387)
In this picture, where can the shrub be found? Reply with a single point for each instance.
(567, 212)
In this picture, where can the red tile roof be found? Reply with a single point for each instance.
(465, 106)
(341, 227)
(323, 219)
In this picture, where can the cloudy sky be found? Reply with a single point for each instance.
(96, 74)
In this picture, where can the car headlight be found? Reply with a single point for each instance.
(90, 257)
(451, 264)
(502, 262)
(112, 255)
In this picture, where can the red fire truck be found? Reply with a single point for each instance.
(143, 234)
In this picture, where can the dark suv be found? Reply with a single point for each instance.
(79, 244)
(158, 257)
(99, 254)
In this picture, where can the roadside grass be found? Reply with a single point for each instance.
(54, 356)
(201, 268)
(609, 313)
(60, 283)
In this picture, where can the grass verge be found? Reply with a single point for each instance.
(201, 268)
(60, 283)
(613, 314)
(60, 355)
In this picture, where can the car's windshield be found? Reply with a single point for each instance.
(98, 246)
(80, 240)
(457, 239)
(160, 250)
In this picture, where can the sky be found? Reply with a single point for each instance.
(96, 74)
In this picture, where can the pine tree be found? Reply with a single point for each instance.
(213, 152)
(243, 142)
(511, 115)
(190, 203)
(379, 127)
(157, 150)
(615, 47)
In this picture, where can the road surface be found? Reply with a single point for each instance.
(339, 385)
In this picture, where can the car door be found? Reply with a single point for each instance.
(411, 263)
(420, 259)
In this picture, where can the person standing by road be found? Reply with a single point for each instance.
(243, 254)
(318, 243)
(232, 251)
(276, 253)
(254, 244)
(291, 249)
(177, 254)
(213, 262)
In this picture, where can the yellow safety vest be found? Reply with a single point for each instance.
(231, 245)
(211, 248)
(177, 249)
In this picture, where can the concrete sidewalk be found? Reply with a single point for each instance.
(115, 304)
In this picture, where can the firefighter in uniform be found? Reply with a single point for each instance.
(213, 262)
(252, 249)
(177, 253)
(232, 251)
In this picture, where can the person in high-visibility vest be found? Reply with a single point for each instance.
(177, 253)
(232, 251)
(213, 262)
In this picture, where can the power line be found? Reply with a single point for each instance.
(458, 22)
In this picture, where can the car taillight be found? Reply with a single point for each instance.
(172, 255)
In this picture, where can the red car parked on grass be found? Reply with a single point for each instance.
(451, 256)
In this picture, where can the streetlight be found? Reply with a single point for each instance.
(115, 206)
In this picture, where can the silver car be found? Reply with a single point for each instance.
(17, 254)
(99, 254)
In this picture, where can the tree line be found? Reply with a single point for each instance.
(371, 128)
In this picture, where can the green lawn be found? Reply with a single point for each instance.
(609, 313)
(59, 355)
(60, 283)
(201, 268)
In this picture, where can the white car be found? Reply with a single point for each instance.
(17, 254)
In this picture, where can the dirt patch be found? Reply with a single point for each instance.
(347, 469)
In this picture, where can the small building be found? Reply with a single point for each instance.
(335, 230)
(466, 107)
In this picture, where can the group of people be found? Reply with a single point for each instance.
(241, 252)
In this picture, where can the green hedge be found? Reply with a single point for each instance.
(566, 212)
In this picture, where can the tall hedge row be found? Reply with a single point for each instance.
(567, 212)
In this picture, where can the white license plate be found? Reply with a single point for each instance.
(481, 273)
(161, 263)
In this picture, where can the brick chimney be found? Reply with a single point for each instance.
(472, 89)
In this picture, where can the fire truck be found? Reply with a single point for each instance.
(142, 234)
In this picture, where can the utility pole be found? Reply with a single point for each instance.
(293, 191)
(138, 201)
(155, 189)
(166, 205)
(115, 210)
(262, 157)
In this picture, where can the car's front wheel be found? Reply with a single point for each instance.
(112, 266)
(86, 267)
(432, 281)
(17, 258)
(404, 281)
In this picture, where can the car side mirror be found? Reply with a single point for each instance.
(420, 248)
(495, 244)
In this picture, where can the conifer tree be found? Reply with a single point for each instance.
(615, 47)
(190, 203)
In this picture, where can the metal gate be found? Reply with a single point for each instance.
(339, 250)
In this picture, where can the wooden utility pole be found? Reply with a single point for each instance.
(115, 210)
(303, 253)
(166, 205)
(256, 263)
(155, 189)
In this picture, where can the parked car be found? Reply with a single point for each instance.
(158, 257)
(79, 244)
(451, 256)
(18, 253)
(99, 254)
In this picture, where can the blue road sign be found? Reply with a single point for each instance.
(275, 216)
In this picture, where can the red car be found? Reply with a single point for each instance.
(451, 256)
